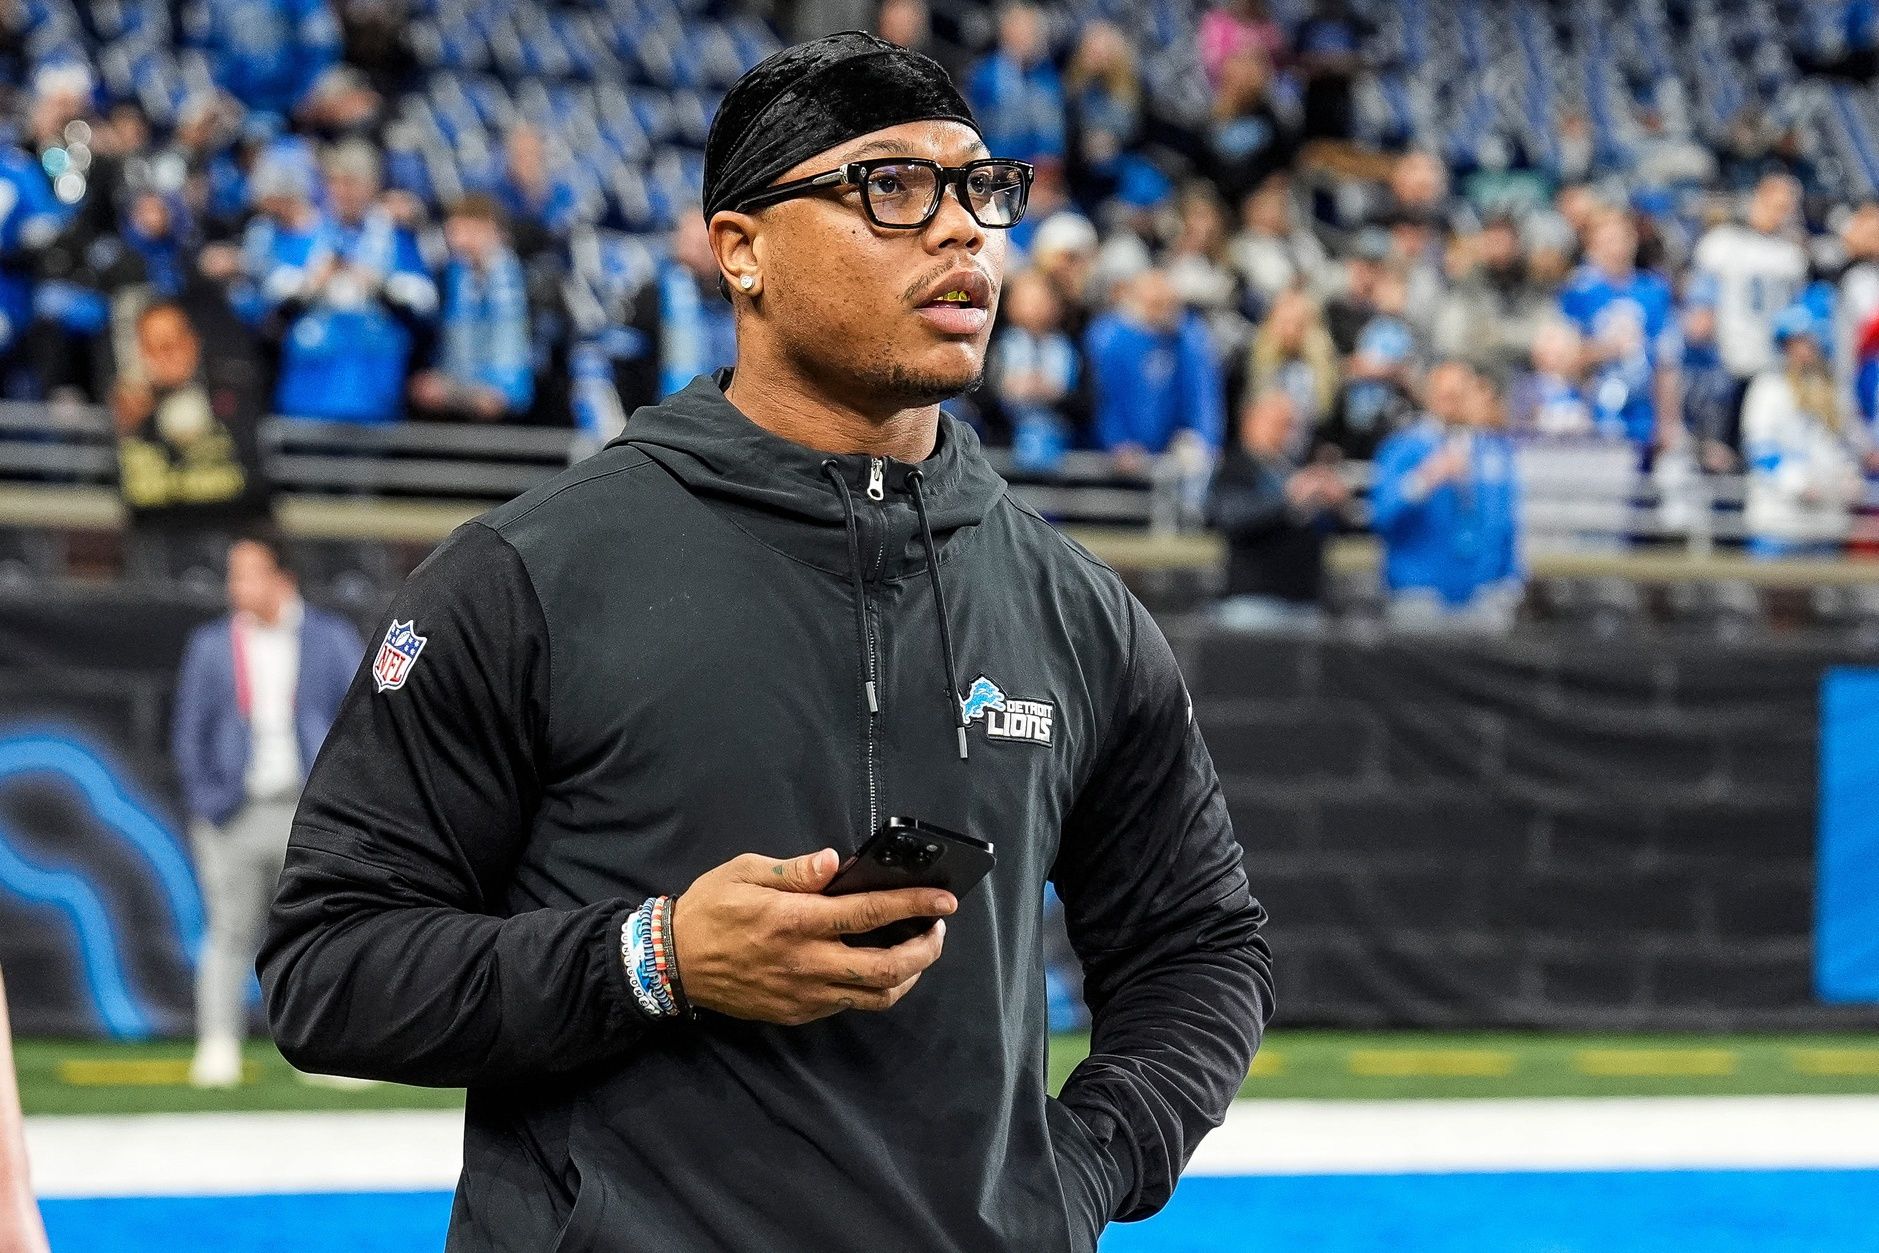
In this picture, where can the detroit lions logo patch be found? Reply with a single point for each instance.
(1007, 717)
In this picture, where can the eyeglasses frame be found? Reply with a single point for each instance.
(855, 174)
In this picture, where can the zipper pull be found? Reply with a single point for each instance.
(877, 479)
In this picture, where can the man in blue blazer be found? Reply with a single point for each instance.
(257, 694)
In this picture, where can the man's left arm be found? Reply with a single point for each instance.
(1176, 974)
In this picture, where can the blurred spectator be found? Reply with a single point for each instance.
(375, 35)
(1709, 391)
(1620, 379)
(1064, 251)
(1445, 504)
(256, 695)
(352, 293)
(1200, 268)
(1493, 308)
(1292, 352)
(696, 331)
(1035, 372)
(1155, 379)
(157, 237)
(1554, 400)
(909, 23)
(1275, 515)
(1273, 251)
(1015, 91)
(1662, 158)
(267, 53)
(541, 205)
(1628, 318)
(1856, 302)
(1354, 299)
(189, 463)
(1328, 48)
(483, 369)
(29, 218)
(1235, 28)
(341, 104)
(1803, 474)
(1374, 398)
(1104, 106)
(1247, 141)
(1755, 270)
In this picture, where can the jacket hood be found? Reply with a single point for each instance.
(781, 492)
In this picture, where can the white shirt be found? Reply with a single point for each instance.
(271, 660)
(1794, 456)
(1756, 276)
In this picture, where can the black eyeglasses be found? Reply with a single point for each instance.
(904, 192)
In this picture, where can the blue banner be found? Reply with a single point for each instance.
(1846, 920)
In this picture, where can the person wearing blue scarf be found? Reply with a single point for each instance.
(350, 291)
(484, 368)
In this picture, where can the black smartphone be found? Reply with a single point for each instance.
(909, 853)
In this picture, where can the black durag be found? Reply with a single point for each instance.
(809, 98)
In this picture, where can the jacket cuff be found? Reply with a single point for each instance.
(1117, 1156)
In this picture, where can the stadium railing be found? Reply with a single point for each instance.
(1587, 510)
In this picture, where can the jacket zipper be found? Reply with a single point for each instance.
(877, 491)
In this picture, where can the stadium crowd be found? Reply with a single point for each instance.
(1227, 265)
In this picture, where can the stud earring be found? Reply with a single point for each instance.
(746, 282)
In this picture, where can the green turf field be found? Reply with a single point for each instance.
(67, 1077)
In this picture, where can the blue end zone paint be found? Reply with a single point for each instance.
(1595, 1212)
(1846, 919)
(340, 1222)
(117, 805)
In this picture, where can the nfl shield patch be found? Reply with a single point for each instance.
(396, 655)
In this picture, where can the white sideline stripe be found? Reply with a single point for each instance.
(1605, 1133)
(244, 1154)
(251, 1154)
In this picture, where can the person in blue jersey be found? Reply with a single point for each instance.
(484, 371)
(30, 216)
(350, 293)
(1628, 317)
(1155, 379)
(266, 53)
(1015, 89)
(276, 241)
(1446, 506)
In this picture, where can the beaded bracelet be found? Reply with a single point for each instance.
(651, 961)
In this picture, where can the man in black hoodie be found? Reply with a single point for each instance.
(708, 660)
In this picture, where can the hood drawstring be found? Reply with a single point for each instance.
(955, 709)
(832, 470)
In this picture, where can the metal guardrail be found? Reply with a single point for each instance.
(1578, 496)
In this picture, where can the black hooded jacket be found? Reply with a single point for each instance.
(663, 658)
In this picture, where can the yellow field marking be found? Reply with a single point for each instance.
(1835, 1061)
(1654, 1063)
(139, 1073)
(1266, 1062)
(1431, 1063)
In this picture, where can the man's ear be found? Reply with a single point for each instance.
(734, 243)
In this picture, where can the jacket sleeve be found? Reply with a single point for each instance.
(189, 724)
(1177, 976)
(392, 952)
(1245, 503)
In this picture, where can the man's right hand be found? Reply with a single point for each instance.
(756, 939)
